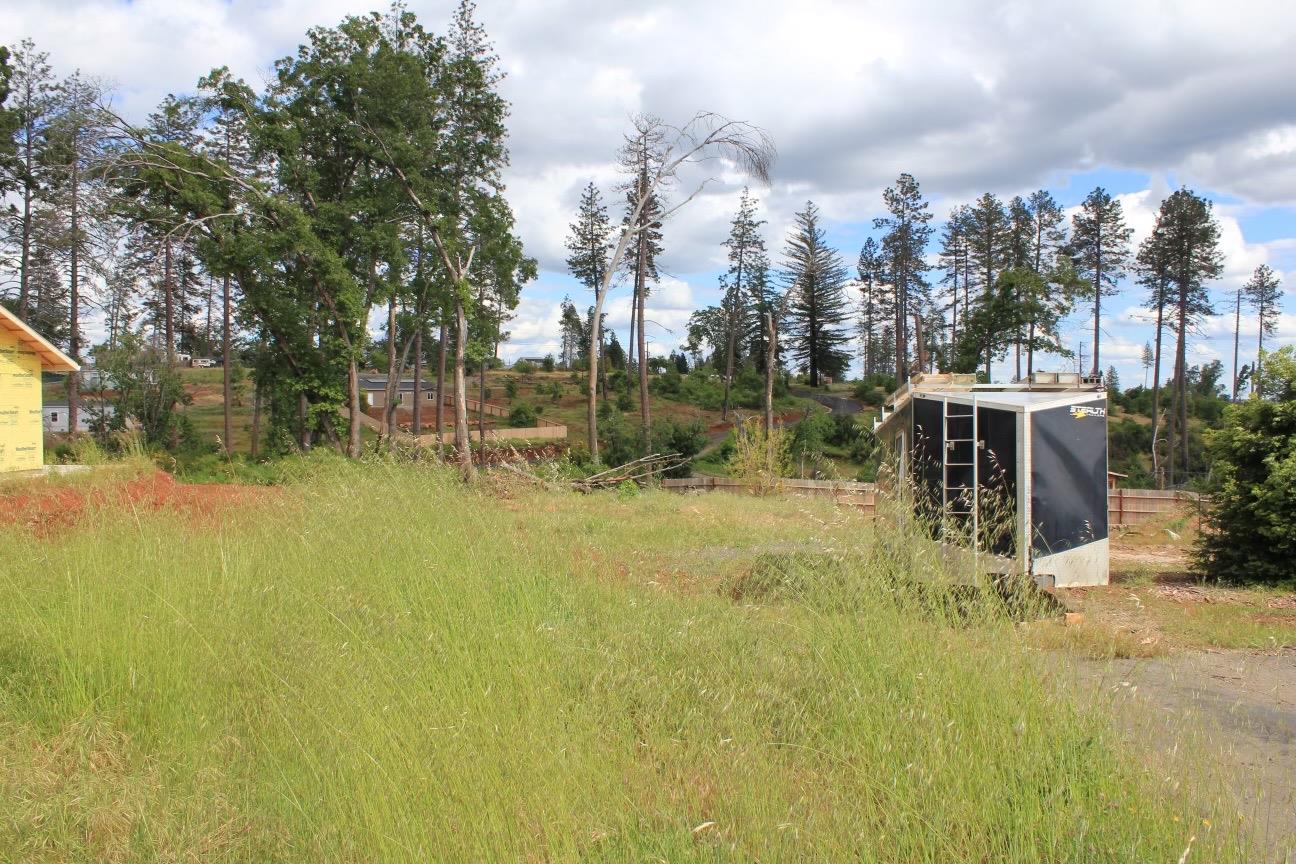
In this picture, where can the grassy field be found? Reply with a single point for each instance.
(371, 663)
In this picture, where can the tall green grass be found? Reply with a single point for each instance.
(377, 665)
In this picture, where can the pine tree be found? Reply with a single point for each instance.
(743, 245)
(590, 244)
(1188, 236)
(987, 237)
(1263, 294)
(954, 263)
(1100, 240)
(987, 233)
(76, 137)
(573, 337)
(817, 307)
(1021, 256)
(32, 103)
(641, 160)
(1152, 268)
(762, 301)
(1049, 228)
(875, 311)
(904, 249)
(1146, 362)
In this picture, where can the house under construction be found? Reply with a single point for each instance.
(1016, 471)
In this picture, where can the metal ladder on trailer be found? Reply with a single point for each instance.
(959, 472)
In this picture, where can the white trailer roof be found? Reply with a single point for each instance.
(1015, 400)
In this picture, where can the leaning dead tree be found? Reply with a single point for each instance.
(707, 137)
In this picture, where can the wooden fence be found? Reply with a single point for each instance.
(1136, 506)
(863, 495)
(1125, 507)
(545, 431)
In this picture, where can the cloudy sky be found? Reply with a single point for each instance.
(1139, 97)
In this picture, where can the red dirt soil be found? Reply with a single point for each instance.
(45, 510)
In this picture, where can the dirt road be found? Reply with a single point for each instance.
(1244, 706)
(836, 404)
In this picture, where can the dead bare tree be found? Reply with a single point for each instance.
(704, 138)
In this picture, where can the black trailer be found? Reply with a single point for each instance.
(1018, 471)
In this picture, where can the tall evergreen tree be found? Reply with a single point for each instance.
(743, 245)
(954, 260)
(77, 136)
(1048, 224)
(589, 245)
(904, 248)
(1152, 267)
(1188, 235)
(987, 238)
(32, 105)
(987, 233)
(1100, 240)
(1263, 293)
(817, 309)
(875, 310)
(641, 159)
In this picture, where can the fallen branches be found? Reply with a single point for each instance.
(636, 471)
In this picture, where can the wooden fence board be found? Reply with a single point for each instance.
(1125, 507)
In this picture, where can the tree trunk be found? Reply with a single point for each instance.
(303, 430)
(211, 299)
(630, 344)
(168, 297)
(418, 380)
(1097, 294)
(771, 353)
(440, 386)
(74, 298)
(24, 262)
(591, 408)
(731, 337)
(481, 404)
(353, 446)
(1030, 351)
(1181, 383)
(393, 376)
(1258, 386)
(463, 449)
(255, 448)
(227, 375)
(1237, 328)
(901, 340)
(645, 409)
(1156, 390)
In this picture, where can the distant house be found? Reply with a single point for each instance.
(90, 412)
(534, 361)
(24, 356)
(374, 389)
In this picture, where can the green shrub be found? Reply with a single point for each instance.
(524, 367)
(523, 415)
(510, 388)
(549, 363)
(1251, 527)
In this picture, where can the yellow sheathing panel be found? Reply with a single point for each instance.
(21, 432)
